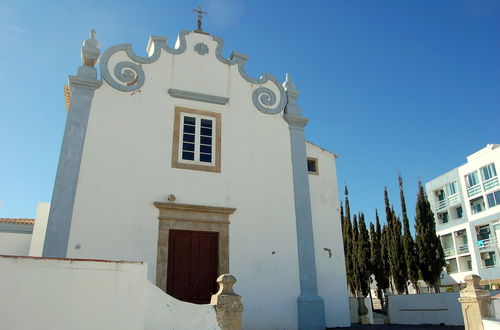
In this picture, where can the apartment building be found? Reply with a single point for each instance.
(466, 204)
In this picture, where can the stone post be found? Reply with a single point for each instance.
(227, 304)
(475, 303)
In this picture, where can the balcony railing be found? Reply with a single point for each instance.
(487, 243)
(464, 248)
(449, 252)
(491, 183)
(441, 205)
(473, 191)
(448, 202)
(489, 266)
(453, 200)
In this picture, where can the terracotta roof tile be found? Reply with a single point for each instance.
(27, 221)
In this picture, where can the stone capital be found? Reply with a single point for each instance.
(85, 83)
(296, 121)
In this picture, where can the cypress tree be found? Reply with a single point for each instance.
(384, 252)
(395, 248)
(378, 267)
(363, 257)
(408, 243)
(344, 234)
(348, 244)
(355, 278)
(428, 245)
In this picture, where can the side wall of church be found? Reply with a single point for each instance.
(127, 165)
(329, 251)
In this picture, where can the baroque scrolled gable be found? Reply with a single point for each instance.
(268, 95)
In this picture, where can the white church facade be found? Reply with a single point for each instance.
(183, 161)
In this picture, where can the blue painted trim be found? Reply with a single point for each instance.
(129, 76)
(68, 169)
(82, 87)
(311, 309)
(261, 96)
(198, 96)
(201, 48)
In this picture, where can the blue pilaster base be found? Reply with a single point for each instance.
(311, 313)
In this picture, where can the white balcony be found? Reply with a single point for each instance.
(464, 248)
(441, 205)
(490, 184)
(474, 190)
(487, 267)
(454, 200)
(449, 252)
(488, 243)
(448, 202)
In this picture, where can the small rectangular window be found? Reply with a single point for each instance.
(312, 165)
(451, 188)
(493, 198)
(471, 179)
(440, 195)
(460, 212)
(477, 205)
(488, 172)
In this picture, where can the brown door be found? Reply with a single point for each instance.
(192, 265)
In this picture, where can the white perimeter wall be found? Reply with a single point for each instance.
(15, 244)
(427, 308)
(328, 244)
(61, 294)
(495, 303)
(493, 323)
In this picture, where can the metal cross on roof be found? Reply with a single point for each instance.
(200, 16)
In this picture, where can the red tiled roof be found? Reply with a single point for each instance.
(26, 221)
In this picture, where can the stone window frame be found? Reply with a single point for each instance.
(174, 216)
(176, 141)
(315, 160)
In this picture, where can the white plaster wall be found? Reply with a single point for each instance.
(61, 294)
(427, 308)
(14, 244)
(495, 303)
(165, 312)
(39, 229)
(327, 229)
(126, 166)
(491, 324)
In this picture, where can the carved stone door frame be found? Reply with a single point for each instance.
(194, 218)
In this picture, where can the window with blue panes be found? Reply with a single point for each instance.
(493, 198)
(488, 172)
(471, 179)
(198, 136)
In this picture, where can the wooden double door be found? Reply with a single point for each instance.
(192, 267)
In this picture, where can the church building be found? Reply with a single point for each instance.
(182, 160)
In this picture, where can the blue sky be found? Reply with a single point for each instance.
(390, 86)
